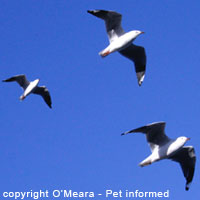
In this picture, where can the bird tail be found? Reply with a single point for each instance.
(22, 97)
(146, 161)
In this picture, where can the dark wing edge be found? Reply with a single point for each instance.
(186, 158)
(138, 56)
(142, 129)
(155, 133)
(112, 20)
(43, 91)
(20, 79)
(147, 128)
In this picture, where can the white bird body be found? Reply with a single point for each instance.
(162, 147)
(175, 145)
(120, 43)
(165, 151)
(29, 89)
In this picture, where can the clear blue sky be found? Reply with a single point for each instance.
(77, 145)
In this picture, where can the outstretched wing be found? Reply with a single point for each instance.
(43, 91)
(112, 20)
(20, 79)
(187, 159)
(138, 56)
(154, 133)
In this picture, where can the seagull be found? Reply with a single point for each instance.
(122, 42)
(162, 147)
(31, 87)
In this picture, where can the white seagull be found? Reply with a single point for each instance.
(122, 42)
(31, 87)
(162, 147)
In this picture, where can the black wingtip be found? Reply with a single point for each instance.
(122, 134)
(49, 105)
(89, 11)
(187, 187)
(93, 12)
(139, 83)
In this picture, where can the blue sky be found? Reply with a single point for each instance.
(77, 145)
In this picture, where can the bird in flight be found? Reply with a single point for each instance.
(122, 42)
(162, 147)
(31, 87)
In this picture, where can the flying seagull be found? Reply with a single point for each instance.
(31, 87)
(122, 42)
(162, 147)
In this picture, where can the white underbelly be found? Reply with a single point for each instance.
(120, 43)
(31, 86)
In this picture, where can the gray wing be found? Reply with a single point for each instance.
(20, 79)
(154, 133)
(43, 91)
(187, 159)
(112, 20)
(138, 56)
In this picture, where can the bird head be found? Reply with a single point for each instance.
(182, 140)
(137, 32)
(134, 34)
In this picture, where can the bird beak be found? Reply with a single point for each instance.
(188, 139)
(142, 32)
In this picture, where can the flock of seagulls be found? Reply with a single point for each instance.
(162, 147)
